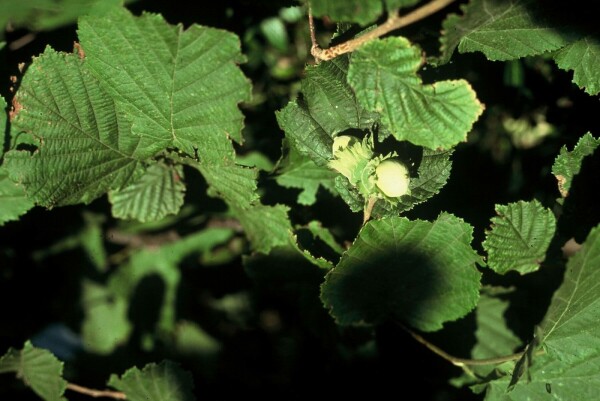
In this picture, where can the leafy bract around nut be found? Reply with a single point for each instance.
(378, 177)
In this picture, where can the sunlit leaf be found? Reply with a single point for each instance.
(383, 73)
(519, 237)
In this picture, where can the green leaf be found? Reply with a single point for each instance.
(40, 15)
(383, 73)
(583, 57)
(299, 171)
(360, 11)
(571, 325)
(331, 101)
(155, 194)
(275, 32)
(105, 325)
(255, 159)
(328, 106)
(182, 86)
(163, 382)
(394, 4)
(567, 164)
(519, 238)
(570, 369)
(234, 183)
(304, 132)
(162, 262)
(550, 379)
(494, 337)
(502, 30)
(13, 200)
(84, 147)
(317, 229)
(418, 272)
(38, 369)
(430, 177)
(91, 239)
(265, 226)
(191, 339)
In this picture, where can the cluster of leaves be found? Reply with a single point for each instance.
(141, 108)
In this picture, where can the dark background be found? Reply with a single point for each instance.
(288, 347)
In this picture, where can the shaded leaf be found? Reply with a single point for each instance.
(331, 101)
(494, 337)
(299, 171)
(570, 369)
(360, 11)
(328, 106)
(234, 183)
(583, 57)
(519, 238)
(183, 93)
(418, 272)
(383, 73)
(155, 194)
(304, 132)
(502, 30)
(84, 147)
(105, 325)
(153, 274)
(393, 4)
(317, 229)
(40, 15)
(38, 369)
(163, 382)
(568, 163)
(13, 200)
(550, 379)
(265, 226)
(571, 325)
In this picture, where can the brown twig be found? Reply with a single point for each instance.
(368, 209)
(394, 21)
(117, 395)
(462, 362)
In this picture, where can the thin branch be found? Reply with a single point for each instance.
(463, 362)
(117, 395)
(368, 209)
(311, 27)
(394, 21)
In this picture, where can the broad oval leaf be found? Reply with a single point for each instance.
(155, 194)
(182, 86)
(38, 368)
(383, 73)
(503, 30)
(583, 57)
(520, 235)
(550, 380)
(163, 382)
(419, 272)
(571, 325)
(84, 146)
